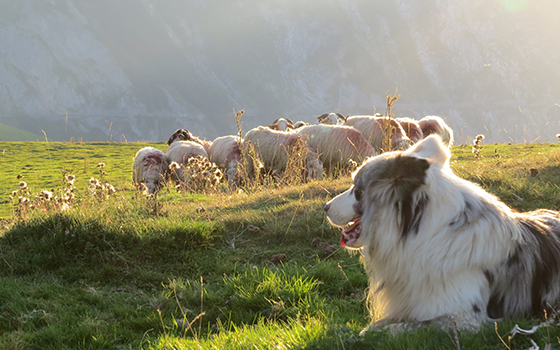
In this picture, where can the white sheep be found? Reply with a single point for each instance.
(185, 135)
(282, 124)
(339, 147)
(274, 148)
(411, 128)
(372, 128)
(178, 155)
(331, 119)
(150, 169)
(226, 154)
(432, 124)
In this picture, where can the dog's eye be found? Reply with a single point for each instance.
(358, 193)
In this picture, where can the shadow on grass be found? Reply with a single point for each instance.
(87, 249)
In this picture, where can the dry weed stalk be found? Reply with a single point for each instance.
(295, 172)
(250, 160)
(388, 128)
(184, 323)
(239, 124)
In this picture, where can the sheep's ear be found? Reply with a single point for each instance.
(323, 116)
(275, 122)
(173, 137)
(187, 134)
(289, 120)
(340, 116)
(432, 149)
(273, 126)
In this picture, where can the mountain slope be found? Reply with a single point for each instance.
(139, 70)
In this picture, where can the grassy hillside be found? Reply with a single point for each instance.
(252, 270)
(9, 133)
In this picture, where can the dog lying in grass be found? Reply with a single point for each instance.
(439, 248)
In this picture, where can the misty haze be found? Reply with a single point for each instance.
(109, 70)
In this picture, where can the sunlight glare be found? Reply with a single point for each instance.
(514, 6)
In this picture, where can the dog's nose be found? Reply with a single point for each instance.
(327, 206)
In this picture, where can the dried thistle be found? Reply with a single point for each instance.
(200, 175)
(477, 147)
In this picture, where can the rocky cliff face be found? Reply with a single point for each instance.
(138, 70)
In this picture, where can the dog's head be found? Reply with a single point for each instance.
(390, 181)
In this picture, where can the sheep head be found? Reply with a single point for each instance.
(331, 118)
(180, 134)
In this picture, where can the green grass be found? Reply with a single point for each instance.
(42, 164)
(259, 270)
(9, 133)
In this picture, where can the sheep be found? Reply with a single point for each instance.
(339, 147)
(178, 155)
(185, 135)
(282, 124)
(299, 124)
(274, 148)
(226, 154)
(150, 169)
(411, 128)
(372, 128)
(432, 124)
(331, 119)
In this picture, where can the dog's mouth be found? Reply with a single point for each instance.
(351, 234)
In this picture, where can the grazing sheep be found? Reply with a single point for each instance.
(282, 124)
(225, 153)
(178, 155)
(149, 169)
(185, 135)
(411, 128)
(274, 148)
(331, 119)
(432, 124)
(339, 147)
(372, 127)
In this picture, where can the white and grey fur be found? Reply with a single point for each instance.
(436, 246)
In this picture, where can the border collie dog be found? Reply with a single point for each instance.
(439, 248)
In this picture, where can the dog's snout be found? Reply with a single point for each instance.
(327, 206)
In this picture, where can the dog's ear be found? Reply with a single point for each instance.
(432, 149)
(408, 173)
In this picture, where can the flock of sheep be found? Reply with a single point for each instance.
(332, 145)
